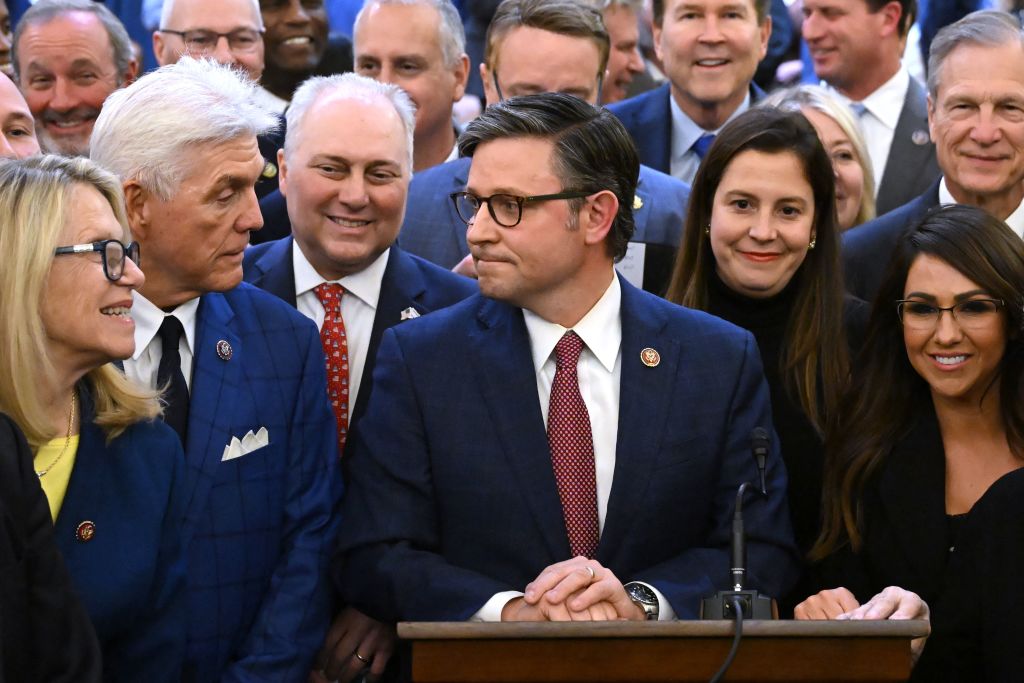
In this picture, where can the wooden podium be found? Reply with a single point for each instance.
(641, 652)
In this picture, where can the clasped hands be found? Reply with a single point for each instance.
(575, 590)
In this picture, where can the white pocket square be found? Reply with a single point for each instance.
(249, 443)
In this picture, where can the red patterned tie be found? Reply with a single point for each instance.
(332, 336)
(572, 449)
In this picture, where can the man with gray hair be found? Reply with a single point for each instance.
(243, 374)
(345, 170)
(420, 46)
(976, 118)
(69, 55)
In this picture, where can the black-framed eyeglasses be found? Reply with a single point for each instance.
(969, 315)
(203, 41)
(501, 97)
(114, 253)
(505, 209)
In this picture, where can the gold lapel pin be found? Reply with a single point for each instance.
(224, 350)
(650, 357)
(85, 531)
(637, 202)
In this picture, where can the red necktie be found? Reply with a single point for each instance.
(572, 449)
(332, 336)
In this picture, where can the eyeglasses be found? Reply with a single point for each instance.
(505, 209)
(203, 41)
(969, 315)
(113, 251)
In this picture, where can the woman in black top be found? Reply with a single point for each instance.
(761, 251)
(934, 417)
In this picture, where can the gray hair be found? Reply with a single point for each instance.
(348, 86)
(168, 8)
(987, 28)
(45, 11)
(147, 131)
(636, 5)
(451, 33)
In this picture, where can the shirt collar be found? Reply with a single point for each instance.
(685, 132)
(600, 329)
(364, 285)
(886, 102)
(148, 319)
(1015, 220)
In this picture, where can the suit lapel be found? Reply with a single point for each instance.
(503, 368)
(912, 489)
(401, 287)
(217, 396)
(642, 412)
(83, 497)
(655, 118)
(277, 272)
(904, 153)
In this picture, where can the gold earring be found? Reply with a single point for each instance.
(814, 240)
(707, 229)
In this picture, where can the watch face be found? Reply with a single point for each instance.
(642, 593)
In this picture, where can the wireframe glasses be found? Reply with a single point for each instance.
(114, 253)
(203, 41)
(505, 209)
(971, 314)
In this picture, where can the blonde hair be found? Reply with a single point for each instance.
(817, 98)
(35, 204)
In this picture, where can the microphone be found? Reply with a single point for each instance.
(752, 605)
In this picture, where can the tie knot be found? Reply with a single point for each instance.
(703, 144)
(170, 331)
(329, 294)
(568, 349)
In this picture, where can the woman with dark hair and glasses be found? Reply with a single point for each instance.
(761, 250)
(111, 470)
(934, 417)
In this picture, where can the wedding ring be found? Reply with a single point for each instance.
(592, 574)
(361, 658)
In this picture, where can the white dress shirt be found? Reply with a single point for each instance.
(599, 372)
(145, 362)
(684, 162)
(878, 123)
(358, 308)
(1015, 219)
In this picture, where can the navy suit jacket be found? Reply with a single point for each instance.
(648, 118)
(434, 231)
(45, 633)
(261, 525)
(868, 248)
(911, 166)
(131, 574)
(453, 498)
(408, 282)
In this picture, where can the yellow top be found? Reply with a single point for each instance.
(55, 481)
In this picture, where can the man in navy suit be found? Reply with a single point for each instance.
(857, 46)
(461, 507)
(975, 105)
(545, 46)
(244, 373)
(710, 50)
(345, 171)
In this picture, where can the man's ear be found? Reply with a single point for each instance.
(598, 216)
(138, 206)
(282, 173)
(461, 72)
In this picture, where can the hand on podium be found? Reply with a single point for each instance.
(575, 590)
(892, 603)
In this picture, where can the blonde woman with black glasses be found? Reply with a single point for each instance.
(111, 470)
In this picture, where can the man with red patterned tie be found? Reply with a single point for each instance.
(345, 171)
(564, 446)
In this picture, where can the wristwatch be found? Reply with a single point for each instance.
(644, 598)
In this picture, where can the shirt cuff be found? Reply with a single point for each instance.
(491, 611)
(665, 611)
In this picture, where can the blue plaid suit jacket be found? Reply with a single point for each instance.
(261, 526)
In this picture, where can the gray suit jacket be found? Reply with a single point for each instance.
(911, 166)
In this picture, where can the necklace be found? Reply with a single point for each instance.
(67, 439)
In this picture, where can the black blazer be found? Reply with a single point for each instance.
(45, 633)
(904, 531)
(976, 633)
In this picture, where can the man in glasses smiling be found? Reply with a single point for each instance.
(227, 31)
(566, 446)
